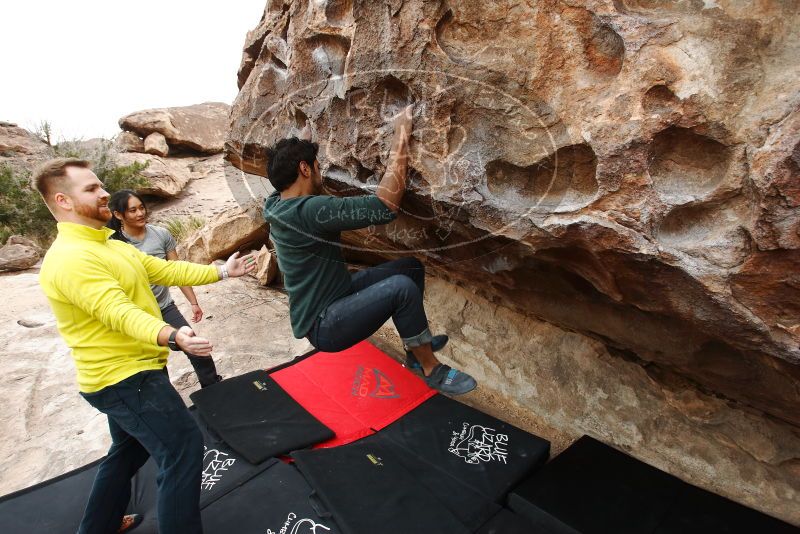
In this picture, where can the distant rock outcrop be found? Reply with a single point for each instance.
(166, 177)
(171, 141)
(199, 128)
(21, 148)
(128, 142)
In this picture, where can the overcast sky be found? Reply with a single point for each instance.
(83, 64)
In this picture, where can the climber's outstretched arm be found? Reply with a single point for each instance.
(393, 183)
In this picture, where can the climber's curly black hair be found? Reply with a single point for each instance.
(285, 156)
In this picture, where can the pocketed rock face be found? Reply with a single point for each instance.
(626, 170)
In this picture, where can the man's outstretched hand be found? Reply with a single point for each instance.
(237, 266)
(190, 343)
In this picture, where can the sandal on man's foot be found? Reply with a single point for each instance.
(445, 379)
(129, 522)
(437, 344)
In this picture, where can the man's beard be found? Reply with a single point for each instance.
(94, 212)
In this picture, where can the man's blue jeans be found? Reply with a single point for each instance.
(147, 417)
(392, 289)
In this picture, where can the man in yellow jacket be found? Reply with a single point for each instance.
(99, 290)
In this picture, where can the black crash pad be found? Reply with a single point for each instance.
(484, 453)
(507, 522)
(367, 488)
(471, 508)
(276, 497)
(257, 418)
(276, 500)
(596, 489)
(57, 505)
(52, 506)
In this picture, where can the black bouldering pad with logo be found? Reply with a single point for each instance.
(479, 450)
(275, 498)
(275, 501)
(272, 497)
(257, 418)
(367, 488)
(224, 470)
(595, 488)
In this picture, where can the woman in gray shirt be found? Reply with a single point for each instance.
(130, 223)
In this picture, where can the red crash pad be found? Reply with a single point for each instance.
(354, 392)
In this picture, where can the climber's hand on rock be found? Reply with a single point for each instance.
(403, 121)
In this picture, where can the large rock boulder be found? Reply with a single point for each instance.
(166, 177)
(156, 144)
(18, 254)
(200, 127)
(624, 169)
(128, 142)
(587, 158)
(266, 266)
(239, 229)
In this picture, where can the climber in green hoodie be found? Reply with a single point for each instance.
(330, 307)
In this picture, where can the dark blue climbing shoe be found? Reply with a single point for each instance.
(437, 344)
(445, 379)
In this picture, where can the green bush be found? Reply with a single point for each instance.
(113, 177)
(22, 210)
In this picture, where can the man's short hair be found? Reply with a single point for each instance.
(50, 176)
(284, 158)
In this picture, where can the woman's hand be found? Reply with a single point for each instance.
(197, 313)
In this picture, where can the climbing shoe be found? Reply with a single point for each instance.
(445, 379)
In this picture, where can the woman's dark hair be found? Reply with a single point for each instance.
(119, 202)
(285, 156)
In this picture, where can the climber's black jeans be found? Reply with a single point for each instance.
(392, 289)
